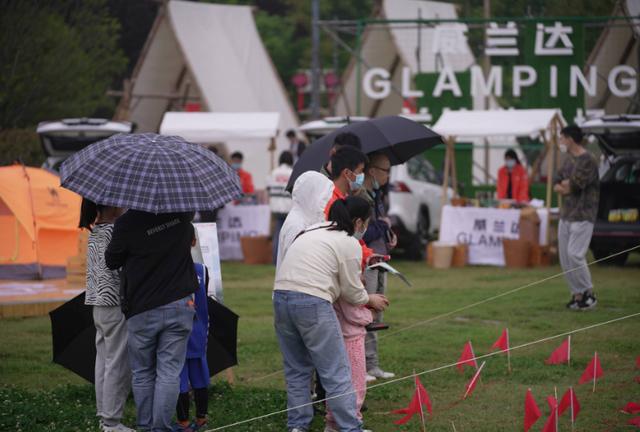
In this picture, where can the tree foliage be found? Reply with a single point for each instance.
(57, 59)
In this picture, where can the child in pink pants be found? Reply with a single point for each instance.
(353, 320)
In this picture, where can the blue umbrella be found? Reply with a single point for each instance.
(152, 173)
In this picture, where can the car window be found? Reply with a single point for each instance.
(421, 169)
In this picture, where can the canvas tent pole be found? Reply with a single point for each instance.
(551, 156)
(447, 168)
(35, 225)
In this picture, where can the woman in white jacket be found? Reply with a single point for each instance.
(322, 264)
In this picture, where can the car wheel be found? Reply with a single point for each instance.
(601, 254)
(417, 248)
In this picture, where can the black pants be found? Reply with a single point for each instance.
(201, 397)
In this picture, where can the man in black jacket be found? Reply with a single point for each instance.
(158, 282)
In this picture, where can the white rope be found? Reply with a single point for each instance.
(472, 305)
(396, 380)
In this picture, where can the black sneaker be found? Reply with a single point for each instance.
(573, 304)
(588, 301)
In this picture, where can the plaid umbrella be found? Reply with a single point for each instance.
(152, 173)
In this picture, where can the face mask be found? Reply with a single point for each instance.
(375, 184)
(510, 163)
(357, 183)
(236, 166)
(563, 148)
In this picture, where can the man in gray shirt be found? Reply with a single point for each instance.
(579, 185)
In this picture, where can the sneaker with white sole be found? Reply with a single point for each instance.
(370, 378)
(588, 301)
(379, 373)
(117, 428)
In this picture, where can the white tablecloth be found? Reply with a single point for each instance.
(235, 221)
(483, 229)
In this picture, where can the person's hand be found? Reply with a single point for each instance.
(393, 242)
(375, 258)
(378, 302)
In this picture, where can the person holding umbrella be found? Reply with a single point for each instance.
(112, 371)
(380, 239)
(162, 180)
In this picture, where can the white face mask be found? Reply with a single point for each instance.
(358, 235)
(563, 148)
(510, 163)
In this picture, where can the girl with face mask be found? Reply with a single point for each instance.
(513, 181)
(321, 266)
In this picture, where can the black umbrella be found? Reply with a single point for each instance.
(398, 137)
(223, 337)
(74, 337)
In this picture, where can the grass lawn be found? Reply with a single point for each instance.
(36, 395)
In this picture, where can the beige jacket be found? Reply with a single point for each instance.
(323, 263)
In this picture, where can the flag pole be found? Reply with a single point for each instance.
(415, 384)
(508, 352)
(595, 362)
(473, 353)
(569, 352)
(474, 379)
(571, 400)
(453, 425)
(555, 392)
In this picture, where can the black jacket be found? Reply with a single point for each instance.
(154, 252)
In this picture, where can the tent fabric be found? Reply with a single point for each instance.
(465, 124)
(208, 127)
(218, 50)
(38, 223)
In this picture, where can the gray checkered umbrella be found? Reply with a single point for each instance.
(152, 173)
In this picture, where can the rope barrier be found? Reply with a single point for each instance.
(472, 305)
(436, 369)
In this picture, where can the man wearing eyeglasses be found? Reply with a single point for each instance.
(381, 239)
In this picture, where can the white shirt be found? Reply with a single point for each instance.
(323, 263)
(279, 198)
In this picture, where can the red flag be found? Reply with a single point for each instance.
(632, 408)
(552, 423)
(560, 355)
(635, 422)
(569, 400)
(467, 357)
(552, 402)
(420, 397)
(593, 370)
(531, 411)
(638, 362)
(474, 380)
(503, 341)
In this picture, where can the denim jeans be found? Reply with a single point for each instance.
(157, 351)
(310, 337)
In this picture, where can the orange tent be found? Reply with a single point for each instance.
(38, 224)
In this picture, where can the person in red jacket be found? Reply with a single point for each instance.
(513, 182)
(246, 181)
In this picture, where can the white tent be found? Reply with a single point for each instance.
(473, 124)
(210, 55)
(494, 130)
(395, 46)
(208, 128)
(253, 134)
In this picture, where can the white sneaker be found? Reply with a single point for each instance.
(117, 428)
(370, 378)
(379, 373)
(297, 430)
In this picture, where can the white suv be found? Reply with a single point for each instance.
(415, 193)
(60, 139)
